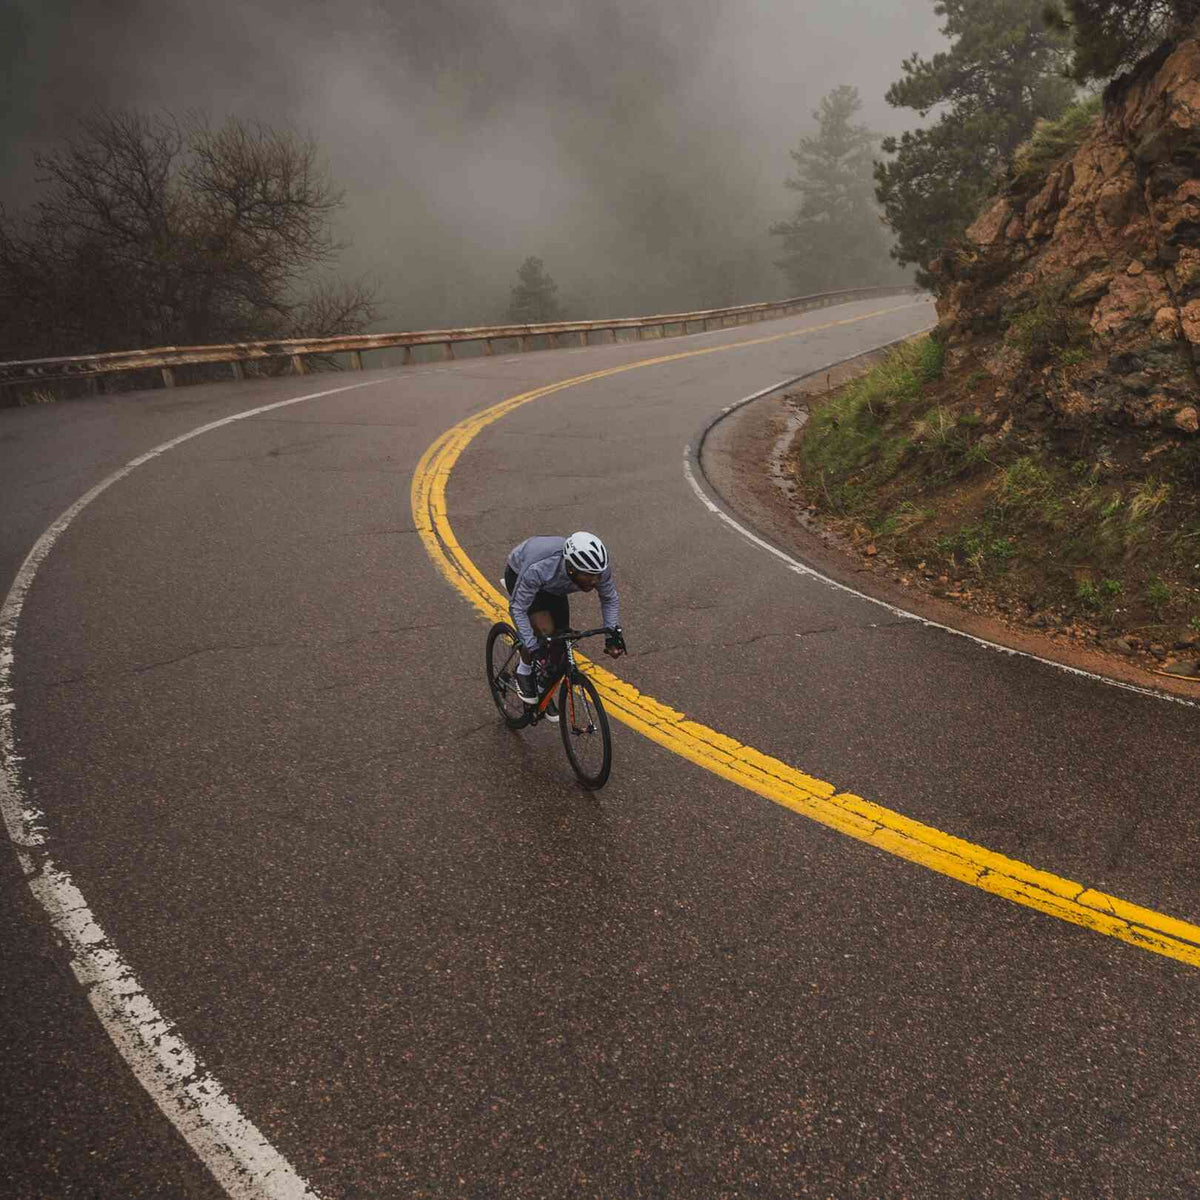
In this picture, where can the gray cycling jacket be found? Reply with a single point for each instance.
(539, 566)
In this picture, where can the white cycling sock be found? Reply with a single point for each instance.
(524, 668)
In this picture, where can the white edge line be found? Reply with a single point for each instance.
(241, 1159)
(690, 456)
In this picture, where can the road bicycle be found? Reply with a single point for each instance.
(581, 716)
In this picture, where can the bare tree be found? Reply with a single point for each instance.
(157, 230)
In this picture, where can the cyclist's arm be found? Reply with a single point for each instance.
(610, 603)
(518, 606)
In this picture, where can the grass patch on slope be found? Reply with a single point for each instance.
(1051, 140)
(933, 470)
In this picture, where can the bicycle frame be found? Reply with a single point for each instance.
(568, 671)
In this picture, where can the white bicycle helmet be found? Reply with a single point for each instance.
(585, 552)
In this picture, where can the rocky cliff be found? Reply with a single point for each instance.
(1038, 461)
(1108, 243)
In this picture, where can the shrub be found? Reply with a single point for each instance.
(1026, 488)
(1147, 499)
(931, 359)
(1053, 140)
(1049, 328)
(1158, 594)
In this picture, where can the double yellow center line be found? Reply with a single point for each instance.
(760, 773)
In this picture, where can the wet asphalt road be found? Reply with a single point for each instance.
(424, 962)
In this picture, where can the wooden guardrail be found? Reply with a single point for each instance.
(95, 367)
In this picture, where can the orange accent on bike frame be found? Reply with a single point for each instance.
(551, 690)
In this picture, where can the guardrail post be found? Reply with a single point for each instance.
(356, 359)
(552, 341)
(406, 357)
(298, 367)
(524, 341)
(487, 347)
(448, 351)
(239, 372)
(641, 333)
(168, 377)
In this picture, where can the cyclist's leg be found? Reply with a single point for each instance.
(547, 614)
(559, 610)
(543, 626)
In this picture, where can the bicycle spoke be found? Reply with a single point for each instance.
(586, 741)
(503, 653)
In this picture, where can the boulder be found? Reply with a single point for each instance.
(1187, 419)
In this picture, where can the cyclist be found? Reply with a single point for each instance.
(539, 575)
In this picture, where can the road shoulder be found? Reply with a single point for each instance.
(737, 461)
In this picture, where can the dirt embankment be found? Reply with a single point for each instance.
(1036, 469)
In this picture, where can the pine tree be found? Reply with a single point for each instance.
(1110, 35)
(836, 238)
(534, 298)
(1002, 74)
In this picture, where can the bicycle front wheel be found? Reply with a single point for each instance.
(502, 658)
(584, 725)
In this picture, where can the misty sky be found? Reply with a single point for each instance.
(632, 144)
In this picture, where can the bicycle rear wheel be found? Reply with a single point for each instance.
(502, 658)
(584, 725)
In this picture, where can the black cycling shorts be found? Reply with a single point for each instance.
(558, 607)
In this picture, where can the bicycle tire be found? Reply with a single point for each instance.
(581, 714)
(510, 706)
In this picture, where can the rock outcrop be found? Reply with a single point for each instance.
(1109, 239)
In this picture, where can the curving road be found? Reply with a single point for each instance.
(418, 960)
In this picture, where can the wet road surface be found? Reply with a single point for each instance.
(422, 961)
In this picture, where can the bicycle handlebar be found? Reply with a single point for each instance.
(574, 635)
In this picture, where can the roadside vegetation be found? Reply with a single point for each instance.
(922, 472)
(1009, 479)
(1001, 75)
(1051, 141)
(157, 230)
